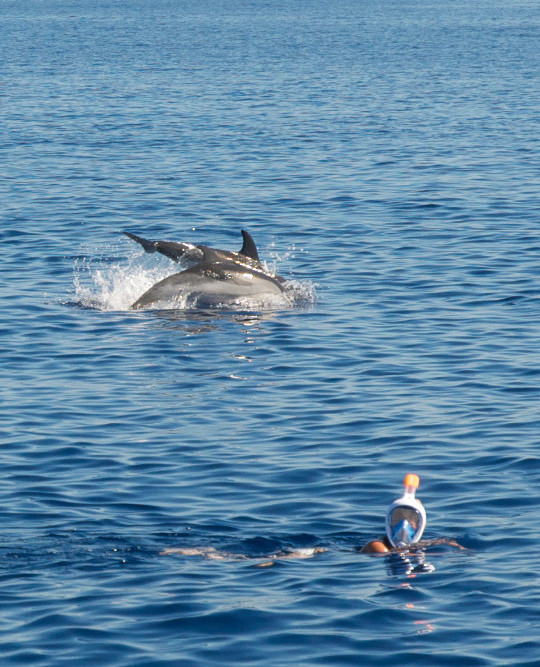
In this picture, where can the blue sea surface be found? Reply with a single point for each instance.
(386, 159)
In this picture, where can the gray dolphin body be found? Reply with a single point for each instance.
(217, 277)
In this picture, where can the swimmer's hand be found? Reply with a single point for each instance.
(444, 540)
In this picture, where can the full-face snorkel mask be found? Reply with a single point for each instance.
(406, 516)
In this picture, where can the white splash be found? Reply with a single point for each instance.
(114, 286)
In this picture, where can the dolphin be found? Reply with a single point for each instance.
(216, 278)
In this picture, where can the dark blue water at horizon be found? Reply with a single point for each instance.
(385, 157)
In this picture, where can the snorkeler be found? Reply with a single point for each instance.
(405, 523)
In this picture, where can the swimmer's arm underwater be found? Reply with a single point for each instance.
(214, 554)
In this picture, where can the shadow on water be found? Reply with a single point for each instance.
(203, 321)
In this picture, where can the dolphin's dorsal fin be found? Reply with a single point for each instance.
(249, 249)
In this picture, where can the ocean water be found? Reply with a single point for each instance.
(386, 159)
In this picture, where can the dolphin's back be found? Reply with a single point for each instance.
(220, 283)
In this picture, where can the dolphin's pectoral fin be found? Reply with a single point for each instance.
(171, 249)
(249, 249)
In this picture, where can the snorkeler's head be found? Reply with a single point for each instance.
(406, 516)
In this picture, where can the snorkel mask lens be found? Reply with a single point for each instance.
(405, 523)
